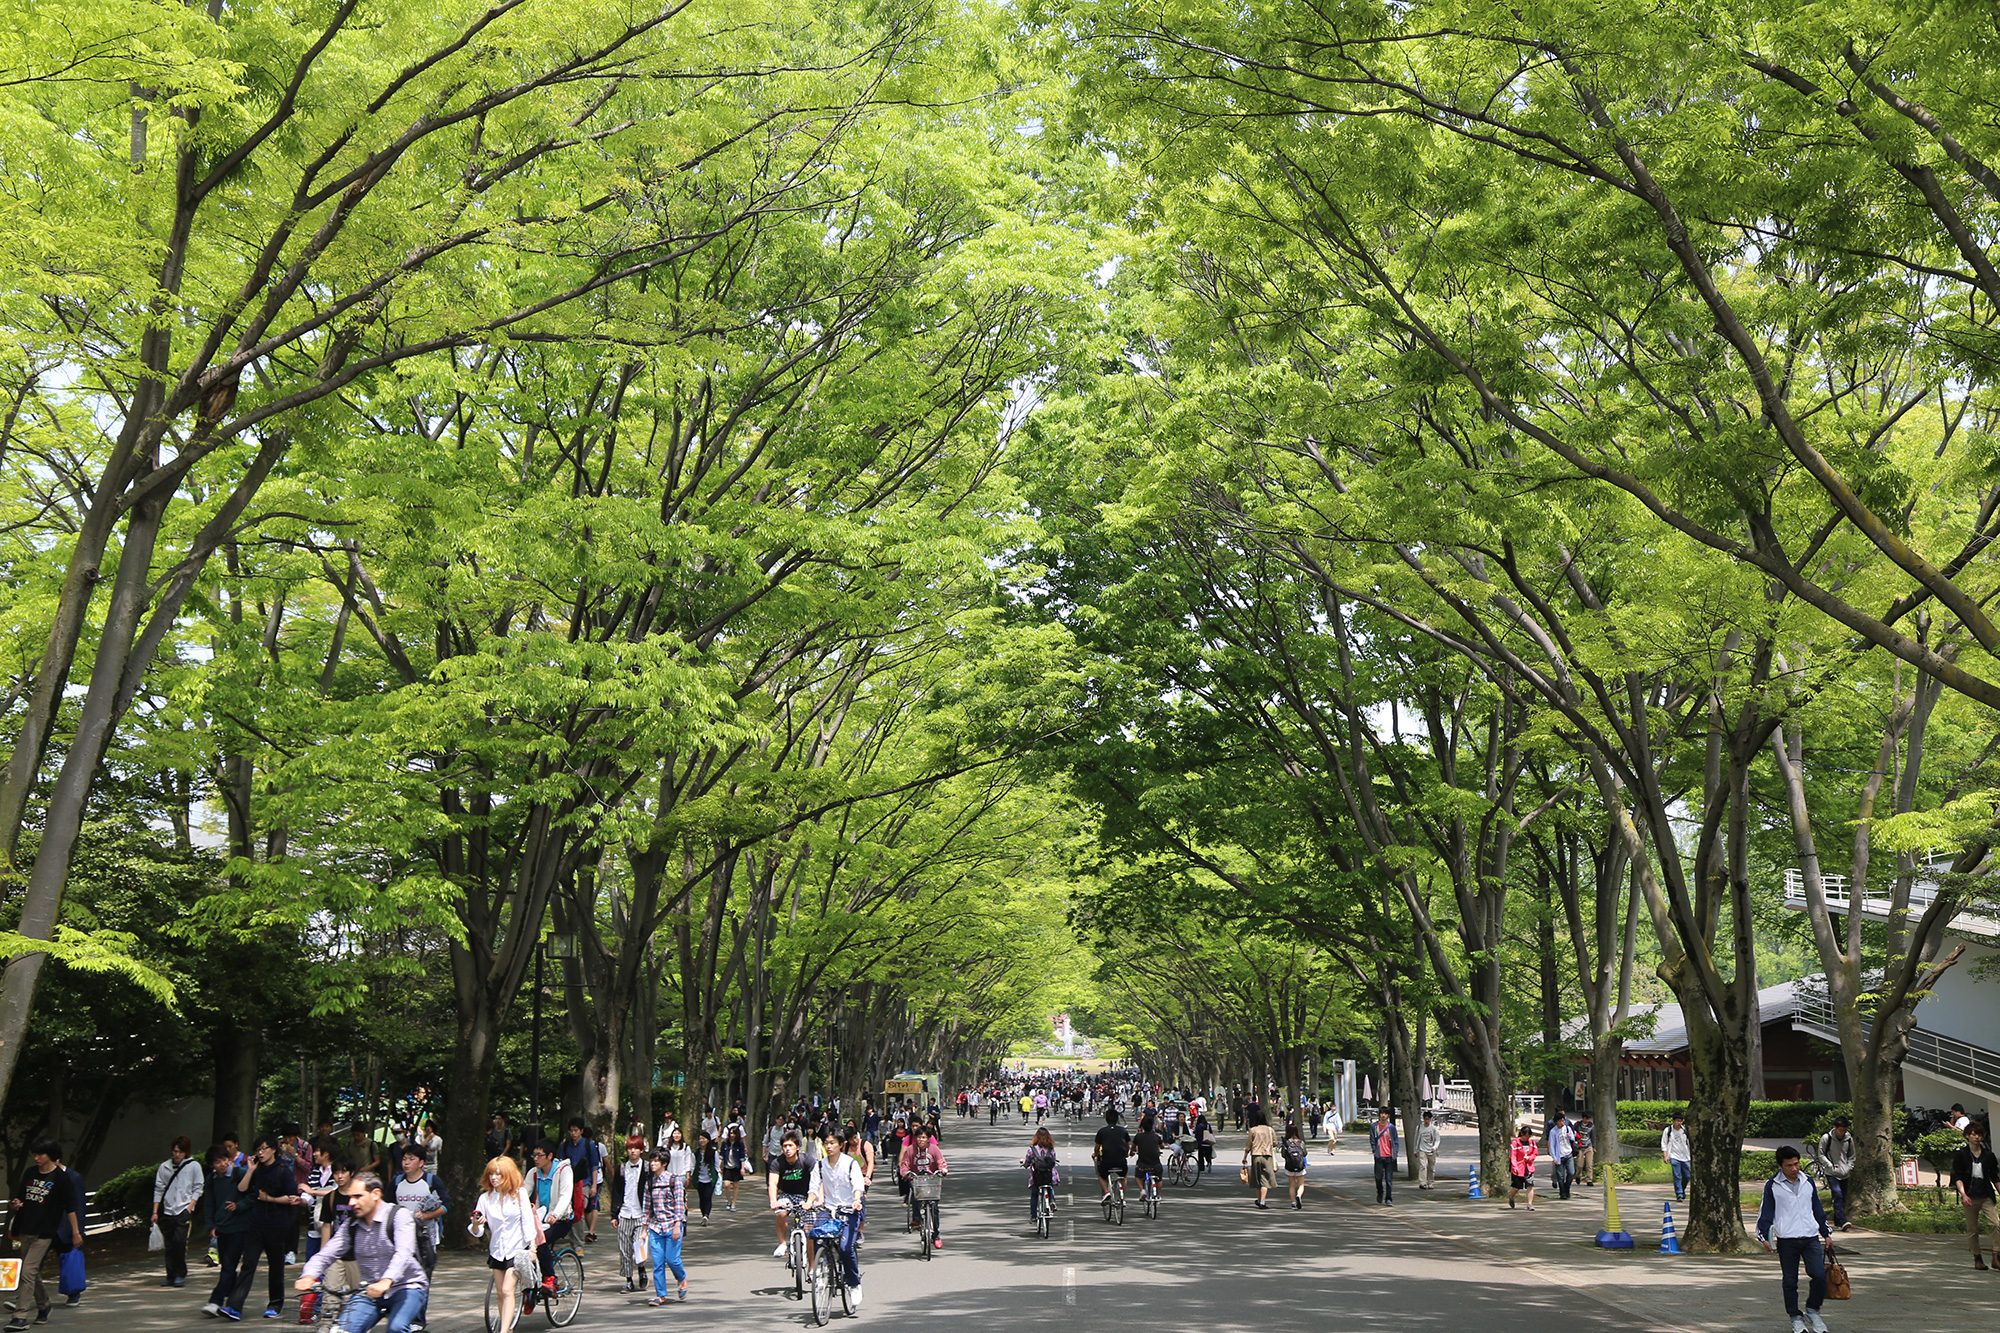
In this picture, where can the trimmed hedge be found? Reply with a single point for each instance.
(128, 1196)
(1767, 1120)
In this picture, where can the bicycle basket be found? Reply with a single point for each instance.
(828, 1227)
(926, 1188)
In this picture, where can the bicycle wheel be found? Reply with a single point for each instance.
(840, 1285)
(561, 1308)
(795, 1259)
(821, 1284)
(924, 1225)
(1042, 1216)
(1118, 1208)
(492, 1302)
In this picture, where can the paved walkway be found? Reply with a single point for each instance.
(1210, 1262)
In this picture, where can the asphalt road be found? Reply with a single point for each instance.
(1209, 1262)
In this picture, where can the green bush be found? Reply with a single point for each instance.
(1767, 1120)
(127, 1196)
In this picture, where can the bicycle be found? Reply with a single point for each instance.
(1180, 1169)
(1045, 1209)
(328, 1304)
(560, 1306)
(1114, 1202)
(827, 1277)
(1149, 1193)
(796, 1249)
(925, 1191)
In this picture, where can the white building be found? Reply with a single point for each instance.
(1954, 1053)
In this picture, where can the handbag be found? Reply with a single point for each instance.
(1837, 1285)
(155, 1241)
(70, 1280)
(1243, 1174)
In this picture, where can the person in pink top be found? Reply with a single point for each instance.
(922, 1157)
(1521, 1166)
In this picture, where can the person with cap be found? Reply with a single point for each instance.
(1834, 1155)
(1792, 1222)
(1674, 1151)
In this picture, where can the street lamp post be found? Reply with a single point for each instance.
(562, 946)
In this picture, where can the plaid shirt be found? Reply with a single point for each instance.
(666, 1202)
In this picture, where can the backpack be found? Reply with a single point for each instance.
(1295, 1155)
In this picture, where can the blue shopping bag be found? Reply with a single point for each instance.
(70, 1280)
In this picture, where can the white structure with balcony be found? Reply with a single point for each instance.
(1954, 1053)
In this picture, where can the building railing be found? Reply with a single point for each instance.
(1960, 1061)
(1840, 899)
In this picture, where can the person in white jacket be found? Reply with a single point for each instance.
(177, 1187)
(552, 1186)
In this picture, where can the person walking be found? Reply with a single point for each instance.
(1674, 1152)
(1257, 1150)
(707, 1172)
(1383, 1143)
(1293, 1149)
(381, 1239)
(229, 1223)
(1792, 1222)
(505, 1217)
(43, 1202)
(271, 1188)
(418, 1193)
(1974, 1171)
(1429, 1140)
(1586, 1149)
(177, 1186)
(666, 1225)
(1562, 1153)
(628, 1213)
(1834, 1154)
(736, 1163)
(1521, 1166)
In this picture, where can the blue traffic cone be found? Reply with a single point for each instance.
(1668, 1244)
(1472, 1182)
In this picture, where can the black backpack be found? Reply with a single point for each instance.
(1295, 1155)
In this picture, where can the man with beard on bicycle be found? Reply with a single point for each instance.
(381, 1239)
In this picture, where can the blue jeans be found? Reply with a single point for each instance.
(850, 1262)
(401, 1307)
(1836, 1189)
(1385, 1179)
(1683, 1173)
(1791, 1249)
(666, 1255)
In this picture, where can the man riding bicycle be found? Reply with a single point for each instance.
(381, 1239)
(1114, 1145)
(1146, 1149)
(790, 1181)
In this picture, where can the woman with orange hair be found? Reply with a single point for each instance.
(505, 1216)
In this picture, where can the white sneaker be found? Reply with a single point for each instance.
(1814, 1322)
(778, 1253)
(1798, 1323)
(854, 1296)
(210, 1308)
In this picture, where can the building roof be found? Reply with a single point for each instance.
(1774, 1003)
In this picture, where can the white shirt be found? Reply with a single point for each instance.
(680, 1160)
(630, 1205)
(839, 1184)
(1674, 1144)
(1428, 1138)
(666, 1132)
(509, 1223)
(411, 1194)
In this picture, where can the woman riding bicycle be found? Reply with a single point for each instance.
(922, 1157)
(1043, 1172)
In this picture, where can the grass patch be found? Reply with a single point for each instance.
(1920, 1213)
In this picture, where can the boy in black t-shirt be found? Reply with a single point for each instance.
(1114, 1145)
(43, 1204)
